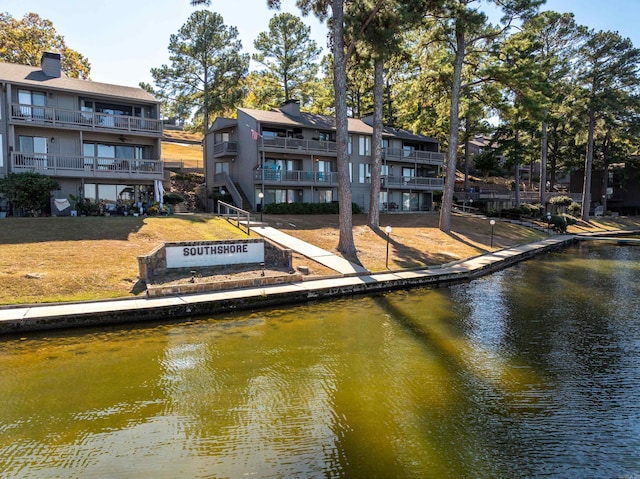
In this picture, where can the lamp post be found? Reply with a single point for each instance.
(548, 224)
(492, 223)
(388, 231)
(261, 195)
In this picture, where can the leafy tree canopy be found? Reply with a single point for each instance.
(288, 54)
(206, 67)
(24, 41)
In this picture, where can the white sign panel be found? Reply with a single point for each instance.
(214, 254)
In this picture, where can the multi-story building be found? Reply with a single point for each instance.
(100, 142)
(290, 156)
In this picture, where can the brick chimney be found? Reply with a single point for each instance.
(291, 107)
(50, 63)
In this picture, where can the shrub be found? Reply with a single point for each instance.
(570, 220)
(153, 210)
(29, 191)
(561, 201)
(307, 208)
(173, 198)
(559, 223)
(575, 208)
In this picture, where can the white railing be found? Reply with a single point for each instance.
(60, 165)
(413, 182)
(299, 144)
(288, 176)
(85, 120)
(399, 154)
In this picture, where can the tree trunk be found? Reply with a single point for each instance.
(452, 148)
(376, 160)
(605, 179)
(346, 244)
(588, 164)
(467, 139)
(517, 169)
(543, 165)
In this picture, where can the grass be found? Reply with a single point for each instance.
(90, 258)
(190, 155)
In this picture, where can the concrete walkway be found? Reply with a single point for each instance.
(17, 320)
(319, 255)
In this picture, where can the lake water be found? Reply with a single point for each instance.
(530, 372)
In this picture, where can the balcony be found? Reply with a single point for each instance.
(86, 166)
(298, 145)
(414, 156)
(412, 182)
(225, 148)
(302, 178)
(83, 120)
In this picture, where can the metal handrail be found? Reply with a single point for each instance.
(226, 211)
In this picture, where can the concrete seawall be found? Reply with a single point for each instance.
(18, 320)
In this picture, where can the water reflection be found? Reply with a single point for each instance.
(530, 372)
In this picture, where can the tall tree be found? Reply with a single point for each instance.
(609, 71)
(207, 67)
(24, 41)
(464, 28)
(333, 10)
(555, 39)
(377, 27)
(289, 55)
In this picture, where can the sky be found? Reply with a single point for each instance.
(124, 39)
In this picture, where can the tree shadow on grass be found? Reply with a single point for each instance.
(407, 257)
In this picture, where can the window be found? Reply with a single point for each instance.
(364, 175)
(382, 204)
(105, 155)
(1, 152)
(325, 196)
(34, 151)
(33, 144)
(34, 98)
(364, 146)
(282, 196)
(350, 145)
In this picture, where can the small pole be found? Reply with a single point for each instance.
(388, 230)
(261, 196)
(492, 223)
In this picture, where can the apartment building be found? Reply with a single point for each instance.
(290, 156)
(100, 142)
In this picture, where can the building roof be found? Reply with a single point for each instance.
(324, 122)
(34, 77)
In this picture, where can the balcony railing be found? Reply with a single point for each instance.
(412, 182)
(86, 166)
(300, 177)
(426, 157)
(85, 120)
(298, 144)
(225, 148)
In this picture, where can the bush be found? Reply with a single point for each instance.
(561, 201)
(153, 210)
(570, 220)
(29, 191)
(173, 198)
(559, 223)
(307, 208)
(575, 208)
